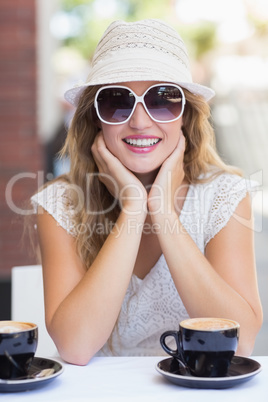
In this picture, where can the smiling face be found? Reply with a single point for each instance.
(141, 144)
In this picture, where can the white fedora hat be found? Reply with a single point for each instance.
(147, 50)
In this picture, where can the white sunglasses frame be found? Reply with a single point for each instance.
(139, 99)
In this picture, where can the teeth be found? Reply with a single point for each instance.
(142, 142)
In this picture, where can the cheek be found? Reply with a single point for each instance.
(107, 132)
(172, 136)
(172, 130)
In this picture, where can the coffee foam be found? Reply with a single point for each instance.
(7, 327)
(209, 324)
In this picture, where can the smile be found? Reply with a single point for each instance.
(144, 142)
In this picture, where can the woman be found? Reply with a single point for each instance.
(150, 226)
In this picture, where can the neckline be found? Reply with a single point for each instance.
(138, 279)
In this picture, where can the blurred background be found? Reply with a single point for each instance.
(46, 47)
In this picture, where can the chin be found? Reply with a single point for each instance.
(141, 171)
(142, 166)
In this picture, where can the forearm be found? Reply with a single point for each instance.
(85, 319)
(202, 289)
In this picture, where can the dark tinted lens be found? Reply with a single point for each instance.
(115, 104)
(164, 102)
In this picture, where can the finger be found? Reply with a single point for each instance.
(181, 144)
(99, 150)
(98, 143)
(177, 154)
(103, 152)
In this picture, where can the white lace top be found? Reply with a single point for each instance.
(152, 305)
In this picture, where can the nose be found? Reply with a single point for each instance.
(140, 118)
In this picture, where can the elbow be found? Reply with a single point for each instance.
(76, 353)
(248, 336)
(72, 348)
(72, 351)
(75, 358)
(245, 349)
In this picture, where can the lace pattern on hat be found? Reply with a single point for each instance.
(126, 37)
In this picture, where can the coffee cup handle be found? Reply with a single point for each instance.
(171, 352)
(178, 354)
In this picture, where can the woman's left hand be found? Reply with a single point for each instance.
(164, 192)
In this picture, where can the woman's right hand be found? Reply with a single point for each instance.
(120, 181)
(67, 281)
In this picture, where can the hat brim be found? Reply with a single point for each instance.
(73, 95)
(141, 65)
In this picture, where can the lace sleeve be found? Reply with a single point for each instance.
(227, 192)
(56, 200)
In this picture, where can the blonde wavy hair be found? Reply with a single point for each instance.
(200, 158)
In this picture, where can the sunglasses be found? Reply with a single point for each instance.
(164, 103)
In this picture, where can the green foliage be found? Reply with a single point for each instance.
(140, 9)
(69, 5)
(200, 38)
(260, 25)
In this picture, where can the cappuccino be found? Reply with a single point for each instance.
(9, 327)
(209, 324)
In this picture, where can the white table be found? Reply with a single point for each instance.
(134, 379)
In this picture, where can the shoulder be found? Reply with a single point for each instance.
(60, 199)
(219, 196)
(225, 186)
(52, 195)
